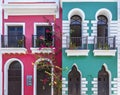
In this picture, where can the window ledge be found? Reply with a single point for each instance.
(42, 50)
(104, 52)
(77, 52)
(13, 50)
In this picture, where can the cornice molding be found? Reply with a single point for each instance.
(30, 9)
(89, 0)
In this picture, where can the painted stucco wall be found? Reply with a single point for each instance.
(89, 8)
(28, 58)
(90, 65)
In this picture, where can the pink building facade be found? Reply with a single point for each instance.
(31, 33)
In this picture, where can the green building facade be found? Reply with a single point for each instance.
(89, 52)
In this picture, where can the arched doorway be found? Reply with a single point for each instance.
(74, 82)
(43, 78)
(103, 81)
(14, 79)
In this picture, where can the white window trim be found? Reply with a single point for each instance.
(104, 52)
(107, 13)
(35, 75)
(6, 67)
(42, 24)
(77, 70)
(13, 50)
(76, 11)
(80, 74)
(36, 50)
(77, 52)
(13, 24)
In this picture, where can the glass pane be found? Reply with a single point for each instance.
(44, 36)
(76, 31)
(15, 33)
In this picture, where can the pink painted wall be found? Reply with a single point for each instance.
(29, 58)
(29, 25)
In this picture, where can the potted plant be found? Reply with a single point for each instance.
(20, 43)
(72, 46)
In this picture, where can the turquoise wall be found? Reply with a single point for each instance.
(89, 8)
(89, 65)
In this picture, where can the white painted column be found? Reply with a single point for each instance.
(0, 47)
(118, 38)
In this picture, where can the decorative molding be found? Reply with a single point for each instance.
(13, 24)
(6, 67)
(89, 1)
(77, 52)
(66, 31)
(104, 52)
(42, 50)
(105, 12)
(35, 75)
(13, 50)
(76, 11)
(30, 9)
(84, 88)
(42, 24)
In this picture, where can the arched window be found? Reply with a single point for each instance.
(76, 30)
(102, 30)
(14, 78)
(43, 79)
(74, 82)
(103, 82)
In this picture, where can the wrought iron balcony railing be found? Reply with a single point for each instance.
(104, 43)
(77, 42)
(12, 41)
(42, 41)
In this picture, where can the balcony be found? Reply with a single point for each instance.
(13, 44)
(77, 46)
(41, 44)
(104, 46)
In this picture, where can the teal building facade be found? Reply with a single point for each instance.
(89, 48)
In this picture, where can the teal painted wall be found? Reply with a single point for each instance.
(89, 8)
(89, 65)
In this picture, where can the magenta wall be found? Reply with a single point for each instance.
(29, 25)
(29, 58)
